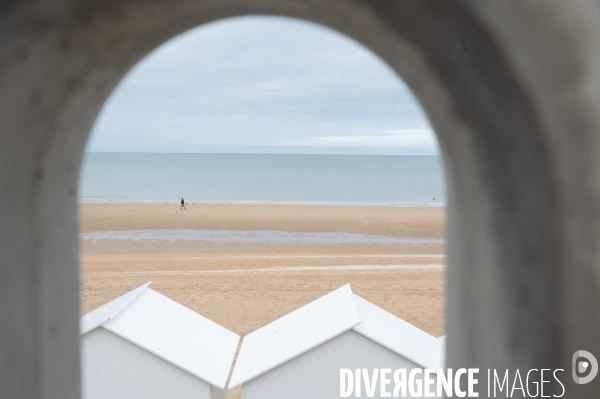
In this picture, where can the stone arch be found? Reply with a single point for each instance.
(511, 89)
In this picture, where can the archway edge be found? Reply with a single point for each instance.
(522, 245)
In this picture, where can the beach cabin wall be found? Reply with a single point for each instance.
(114, 368)
(145, 345)
(301, 354)
(316, 373)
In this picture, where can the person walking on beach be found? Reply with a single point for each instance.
(182, 205)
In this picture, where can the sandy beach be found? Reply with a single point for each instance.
(245, 285)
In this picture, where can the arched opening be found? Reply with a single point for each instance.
(303, 170)
(521, 208)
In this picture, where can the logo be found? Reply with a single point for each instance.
(585, 367)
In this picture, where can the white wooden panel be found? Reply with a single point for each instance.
(114, 368)
(398, 335)
(316, 373)
(107, 312)
(294, 334)
(178, 335)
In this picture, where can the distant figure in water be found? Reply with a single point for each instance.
(182, 205)
(432, 198)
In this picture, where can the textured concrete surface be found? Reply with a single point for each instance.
(512, 89)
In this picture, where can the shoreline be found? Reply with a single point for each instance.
(118, 201)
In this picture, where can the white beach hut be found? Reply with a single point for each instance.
(443, 340)
(145, 345)
(301, 355)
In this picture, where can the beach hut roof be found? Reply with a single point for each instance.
(107, 312)
(170, 331)
(294, 334)
(324, 319)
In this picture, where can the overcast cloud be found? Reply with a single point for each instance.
(263, 85)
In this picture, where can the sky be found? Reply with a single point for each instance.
(262, 85)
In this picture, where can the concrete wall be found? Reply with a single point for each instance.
(114, 368)
(316, 373)
(512, 89)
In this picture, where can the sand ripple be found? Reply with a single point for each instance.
(270, 270)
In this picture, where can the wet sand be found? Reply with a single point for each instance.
(393, 222)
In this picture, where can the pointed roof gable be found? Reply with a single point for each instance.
(294, 334)
(170, 331)
(398, 335)
(107, 312)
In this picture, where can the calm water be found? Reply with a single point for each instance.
(263, 179)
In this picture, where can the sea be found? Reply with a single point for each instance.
(263, 179)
